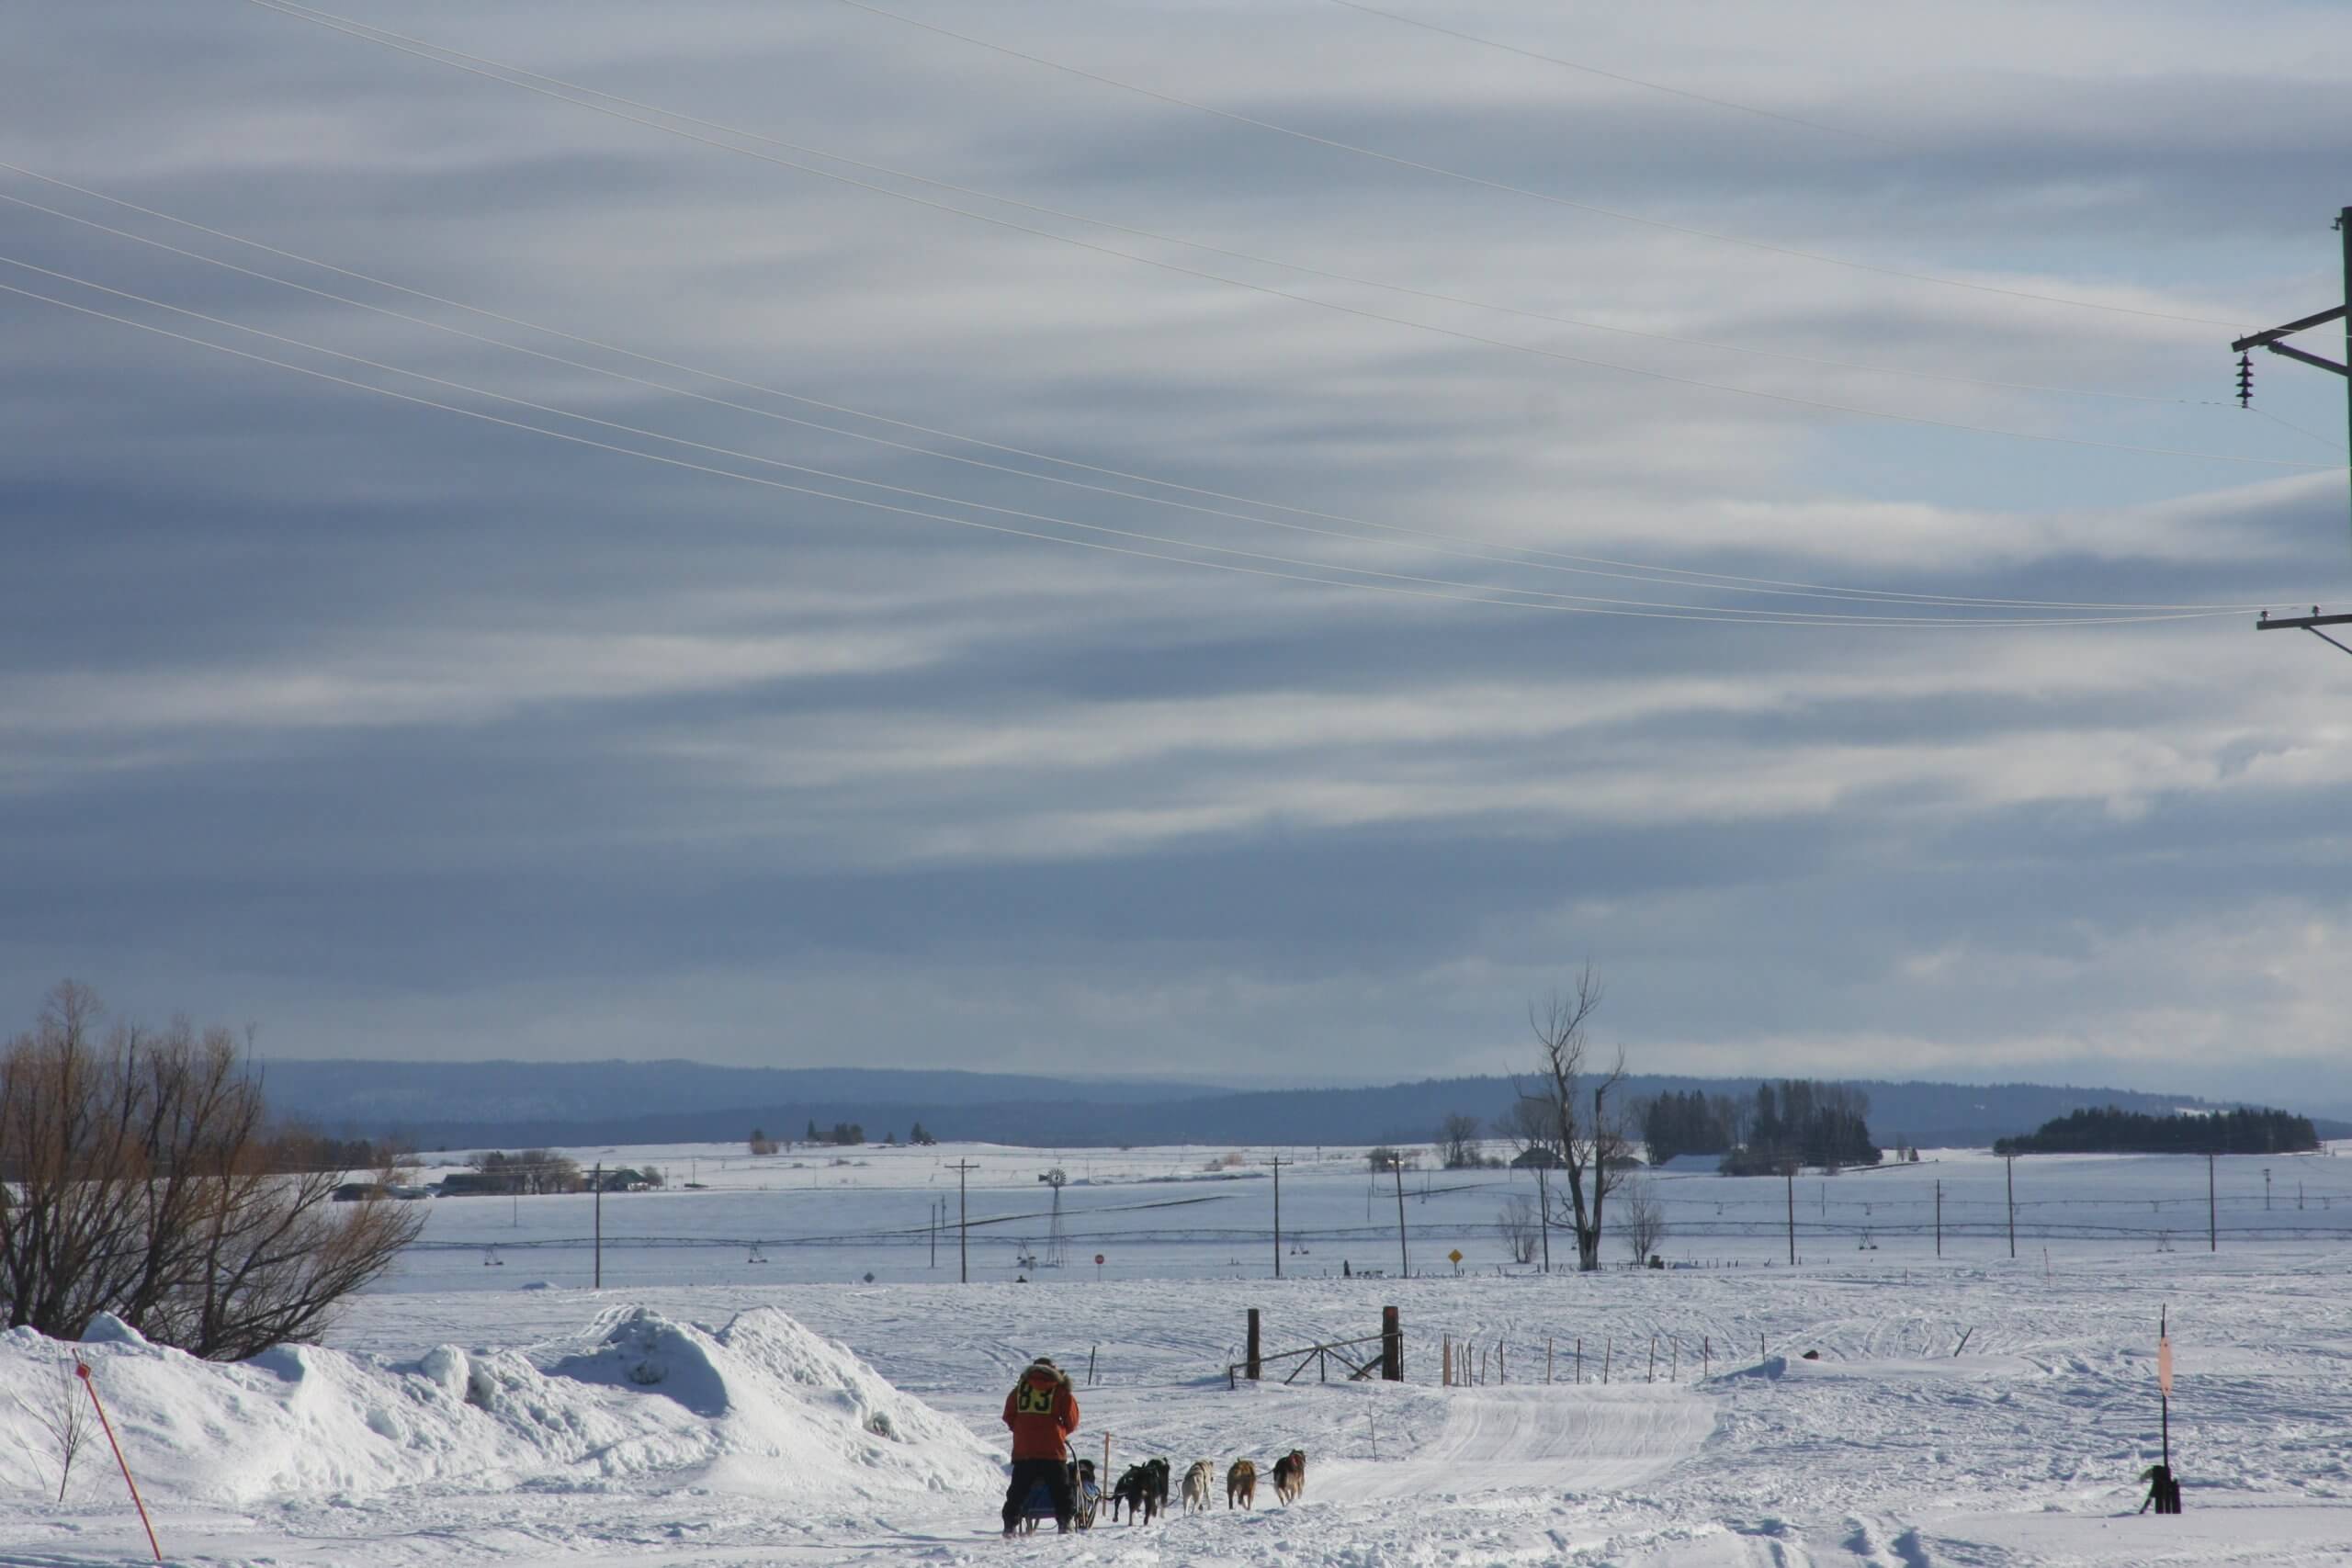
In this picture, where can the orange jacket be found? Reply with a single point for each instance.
(1042, 1412)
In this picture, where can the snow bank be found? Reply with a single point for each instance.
(761, 1406)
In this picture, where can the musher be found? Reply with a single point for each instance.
(1042, 1412)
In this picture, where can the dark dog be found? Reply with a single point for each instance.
(1158, 1470)
(1242, 1485)
(1290, 1477)
(1140, 1489)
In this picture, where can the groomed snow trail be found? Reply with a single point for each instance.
(1556, 1438)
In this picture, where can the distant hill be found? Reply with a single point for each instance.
(421, 1096)
(465, 1105)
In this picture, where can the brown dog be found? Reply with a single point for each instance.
(1290, 1477)
(1242, 1485)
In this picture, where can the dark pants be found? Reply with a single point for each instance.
(1026, 1474)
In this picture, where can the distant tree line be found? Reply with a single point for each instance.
(299, 1150)
(2245, 1131)
(528, 1173)
(1690, 1124)
(1804, 1121)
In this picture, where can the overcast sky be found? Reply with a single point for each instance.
(401, 733)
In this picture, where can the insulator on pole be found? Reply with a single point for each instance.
(2246, 380)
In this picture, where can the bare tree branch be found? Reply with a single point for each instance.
(139, 1177)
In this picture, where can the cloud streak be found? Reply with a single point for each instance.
(400, 733)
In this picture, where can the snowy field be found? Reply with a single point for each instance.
(738, 1392)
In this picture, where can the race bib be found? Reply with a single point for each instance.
(1031, 1400)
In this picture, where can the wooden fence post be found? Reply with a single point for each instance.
(1547, 1358)
(1250, 1367)
(1392, 1348)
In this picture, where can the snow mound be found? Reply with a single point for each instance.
(761, 1406)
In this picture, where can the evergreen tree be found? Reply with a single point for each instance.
(2243, 1131)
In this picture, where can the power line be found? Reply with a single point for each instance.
(394, 39)
(1725, 580)
(1820, 405)
(1503, 185)
(1477, 592)
(1610, 76)
(1441, 544)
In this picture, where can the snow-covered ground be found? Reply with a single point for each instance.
(702, 1408)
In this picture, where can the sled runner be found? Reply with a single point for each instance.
(1085, 1495)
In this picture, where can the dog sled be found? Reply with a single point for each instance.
(1085, 1496)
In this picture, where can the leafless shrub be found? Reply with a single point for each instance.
(139, 1177)
(1641, 1219)
(1522, 1224)
(62, 1411)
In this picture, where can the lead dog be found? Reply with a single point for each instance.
(1242, 1485)
(1290, 1477)
(1199, 1483)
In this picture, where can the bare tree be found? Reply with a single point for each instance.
(1457, 1141)
(1521, 1223)
(1532, 1127)
(139, 1177)
(1641, 1219)
(62, 1413)
(1590, 1147)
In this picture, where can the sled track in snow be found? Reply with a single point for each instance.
(1551, 1438)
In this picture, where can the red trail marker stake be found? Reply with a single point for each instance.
(82, 1371)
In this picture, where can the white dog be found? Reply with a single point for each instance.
(1200, 1482)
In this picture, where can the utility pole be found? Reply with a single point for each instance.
(2213, 1211)
(1404, 1258)
(962, 1223)
(2272, 340)
(1279, 1163)
(1939, 1217)
(1544, 1212)
(2012, 1163)
(1792, 1174)
(597, 1179)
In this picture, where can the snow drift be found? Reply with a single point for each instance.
(761, 1406)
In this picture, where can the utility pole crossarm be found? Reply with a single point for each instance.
(2269, 623)
(2311, 622)
(2266, 339)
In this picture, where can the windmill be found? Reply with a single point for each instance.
(1056, 1179)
